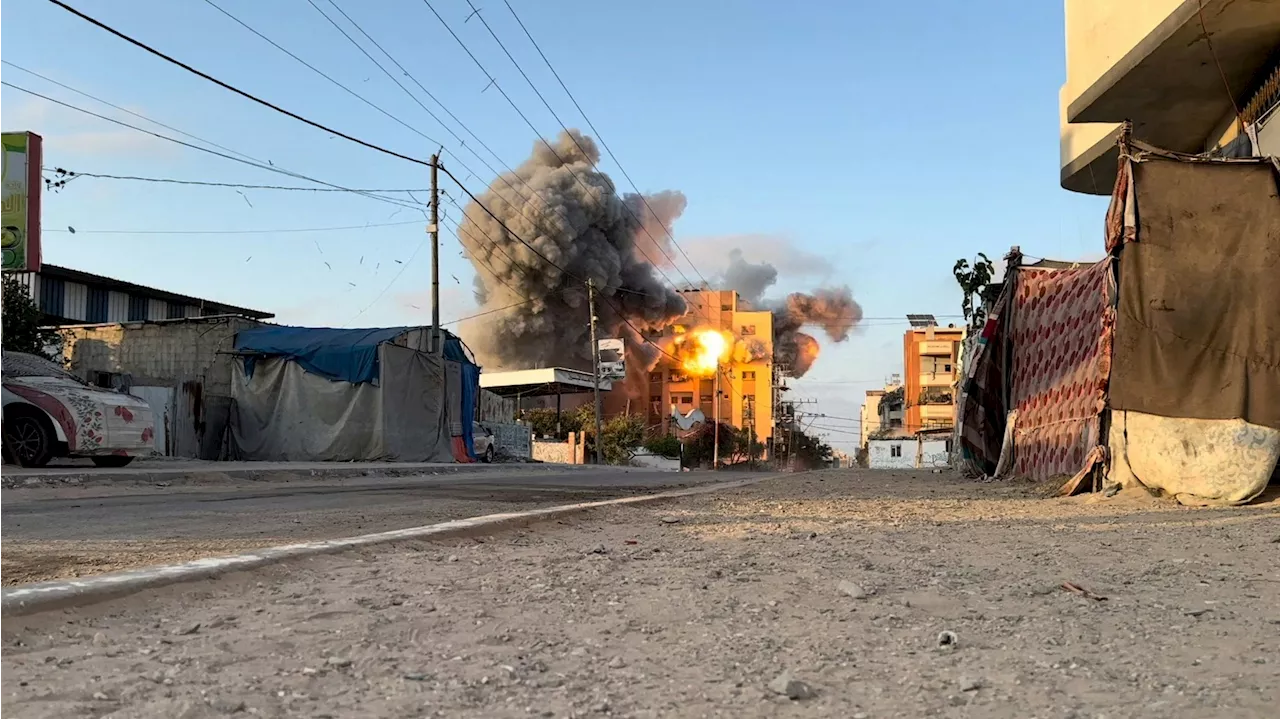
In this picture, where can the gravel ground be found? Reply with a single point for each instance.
(845, 580)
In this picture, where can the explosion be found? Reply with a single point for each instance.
(702, 350)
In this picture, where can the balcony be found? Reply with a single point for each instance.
(1163, 77)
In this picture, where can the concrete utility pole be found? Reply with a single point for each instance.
(791, 442)
(437, 343)
(715, 425)
(595, 370)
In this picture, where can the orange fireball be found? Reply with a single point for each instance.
(702, 350)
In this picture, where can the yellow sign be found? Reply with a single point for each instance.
(21, 201)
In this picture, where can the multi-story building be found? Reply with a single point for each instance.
(1192, 76)
(931, 367)
(746, 369)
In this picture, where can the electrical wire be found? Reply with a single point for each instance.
(236, 90)
(202, 183)
(494, 83)
(321, 73)
(599, 138)
(235, 232)
(252, 163)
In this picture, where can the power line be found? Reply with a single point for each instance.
(597, 135)
(494, 83)
(236, 90)
(236, 232)
(321, 73)
(202, 183)
(250, 162)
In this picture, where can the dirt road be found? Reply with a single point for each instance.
(845, 579)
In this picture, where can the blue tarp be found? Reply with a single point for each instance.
(336, 354)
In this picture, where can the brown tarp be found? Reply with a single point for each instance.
(1198, 321)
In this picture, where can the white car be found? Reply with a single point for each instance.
(49, 412)
(483, 440)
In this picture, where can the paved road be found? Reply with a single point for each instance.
(310, 509)
(52, 533)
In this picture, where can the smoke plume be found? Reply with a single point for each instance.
(569, 213)
(832, 309)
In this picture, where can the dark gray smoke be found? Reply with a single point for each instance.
(832, 309)
(569, 213)
(748, 278)
(657, 212)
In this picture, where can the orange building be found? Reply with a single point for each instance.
(931, 369)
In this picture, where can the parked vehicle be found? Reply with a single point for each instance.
(49, 412)
(486, 446)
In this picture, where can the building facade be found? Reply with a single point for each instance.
(931, 368)
(869, 417)
(1178, 70)
(746, 377)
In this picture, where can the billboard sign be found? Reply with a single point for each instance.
(613, 364)
(22, 183)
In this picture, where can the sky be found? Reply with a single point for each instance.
(850, 143)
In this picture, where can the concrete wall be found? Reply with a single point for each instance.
(569, 452)
(182, 355)
(880, 453)
(933, 454)
(513, 440)
(1098, 34)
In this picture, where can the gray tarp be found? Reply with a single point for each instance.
(287, 414)
(1198, 322)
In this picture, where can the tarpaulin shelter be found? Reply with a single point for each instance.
(322, 394)
(1158, 365)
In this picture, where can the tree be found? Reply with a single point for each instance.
(973, 282)
(21, 321)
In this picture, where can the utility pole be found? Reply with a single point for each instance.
(791, 442)
(715, 426)
(437, 343)
(595, 369)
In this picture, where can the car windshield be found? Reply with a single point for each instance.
(21, 364)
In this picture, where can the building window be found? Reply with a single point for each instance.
(686, 399)
(726, 308)
(750, 374)
(655, 376)
(895, 450)
(655, 399)
(749, 410)
(946, 368)
(748, 330)
(676, 377)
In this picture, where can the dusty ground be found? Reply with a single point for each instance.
(694, 608)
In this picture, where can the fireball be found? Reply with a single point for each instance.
(702, 350)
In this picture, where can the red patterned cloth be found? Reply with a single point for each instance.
(1062, 326)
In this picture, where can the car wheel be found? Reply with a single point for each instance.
(28, 440)
(111, 460)
(488, 454)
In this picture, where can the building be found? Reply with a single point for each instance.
(931, 368)
(747, 378)
(72, 297)
(182, 367)
(869, 418)
(1178, 70)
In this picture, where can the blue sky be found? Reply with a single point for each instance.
(868, 144)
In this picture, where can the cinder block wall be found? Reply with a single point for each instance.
(158, 354)
(182, 355)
